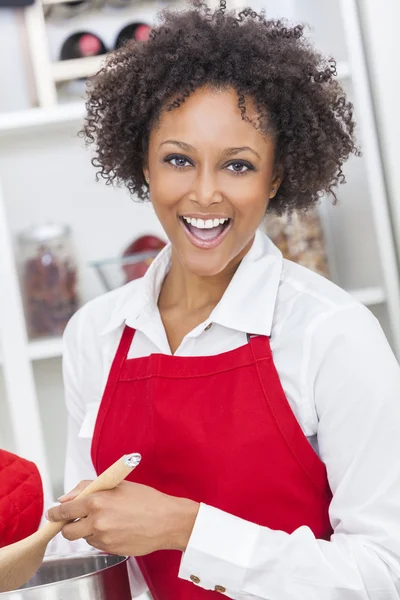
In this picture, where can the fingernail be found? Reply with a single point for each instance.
(61, 498)
(47, 515)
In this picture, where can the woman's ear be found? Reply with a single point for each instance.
(146, 175)
(276, 180)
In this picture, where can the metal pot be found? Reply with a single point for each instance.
(77, 577)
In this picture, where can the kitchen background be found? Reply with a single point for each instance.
(62, 234)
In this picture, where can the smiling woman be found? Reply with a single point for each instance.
(206, 163)
(263, 399)
(282, 86)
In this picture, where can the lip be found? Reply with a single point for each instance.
(204, 216)
(206, 244)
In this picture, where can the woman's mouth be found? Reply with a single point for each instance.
(205, 233)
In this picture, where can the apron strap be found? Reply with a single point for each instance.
(250, 336)
(284, 416)
(113, 378)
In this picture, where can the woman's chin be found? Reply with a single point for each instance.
(207, 265)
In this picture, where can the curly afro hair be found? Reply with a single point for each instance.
(298, 99)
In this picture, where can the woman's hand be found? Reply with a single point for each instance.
(130, 520)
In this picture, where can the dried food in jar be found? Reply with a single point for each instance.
(49, 280)
(300, 238)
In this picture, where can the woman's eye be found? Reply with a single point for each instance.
(239, 167)
(178, 161)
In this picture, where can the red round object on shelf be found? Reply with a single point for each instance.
(144, 243)
(81, 45)
(89, 45)
(142, 33)
(133, 31)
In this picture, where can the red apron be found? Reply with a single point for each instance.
(215, 429)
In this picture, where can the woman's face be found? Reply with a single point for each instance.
(211, 176)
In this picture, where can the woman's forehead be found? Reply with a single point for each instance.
(210, 116)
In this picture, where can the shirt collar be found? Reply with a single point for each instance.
(248, 304)
(141, 295)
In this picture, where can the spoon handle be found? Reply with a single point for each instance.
(113, 476)
(108, 480)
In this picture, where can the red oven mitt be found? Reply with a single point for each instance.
(21, 498)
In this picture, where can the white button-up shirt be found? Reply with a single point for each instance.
(343, 385)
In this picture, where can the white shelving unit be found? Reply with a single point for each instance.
(44, 134)
(36, 118)
(65, 70)
(48, 73)
(13, 122)
(21, 359)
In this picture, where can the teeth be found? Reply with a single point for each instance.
(205, 224)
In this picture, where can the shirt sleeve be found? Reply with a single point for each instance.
(78, 464)
(83, 388)
(353, 380)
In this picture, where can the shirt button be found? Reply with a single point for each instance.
(220, 588)
(195, 579)
(208, 327)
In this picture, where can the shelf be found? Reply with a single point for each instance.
(369, 296)
(65, 70)
(49, 2)
(23, 120)
(12, 122)
(45, 348)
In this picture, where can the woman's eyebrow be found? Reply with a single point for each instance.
(181, 145)
(226, 152)
(232, 151)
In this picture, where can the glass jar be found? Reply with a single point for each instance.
(300, 238)
(48, 279)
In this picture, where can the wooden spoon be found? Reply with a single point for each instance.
(20, 561)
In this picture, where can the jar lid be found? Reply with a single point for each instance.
(43, 233)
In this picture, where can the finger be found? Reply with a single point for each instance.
(73, 493)
(76, 531)
(69, 511)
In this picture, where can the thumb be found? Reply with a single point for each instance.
(73, 493)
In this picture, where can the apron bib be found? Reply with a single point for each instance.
(217, 430)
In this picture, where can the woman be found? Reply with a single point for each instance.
(263, 398)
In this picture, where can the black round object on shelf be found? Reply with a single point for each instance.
(134, 31)
(68, 10)
(76, 6)
(81, 45)
(15, 3)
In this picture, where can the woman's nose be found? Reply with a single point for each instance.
(206, 189)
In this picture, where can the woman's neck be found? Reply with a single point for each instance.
(187, 299)
(191, 292)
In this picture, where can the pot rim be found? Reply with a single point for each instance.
(55, 557)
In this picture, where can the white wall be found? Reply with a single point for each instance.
(14, 87)
(381, 20)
